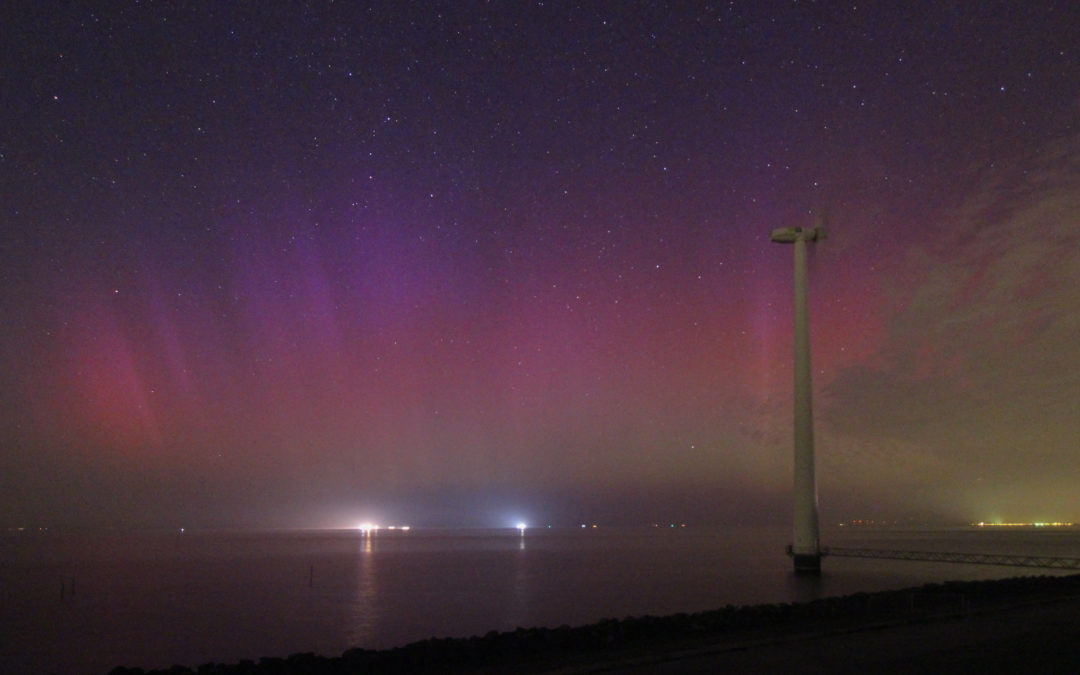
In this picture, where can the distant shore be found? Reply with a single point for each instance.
(632, 643)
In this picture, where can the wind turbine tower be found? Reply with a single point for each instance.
(805, 548)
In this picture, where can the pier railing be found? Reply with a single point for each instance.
(1047, 562)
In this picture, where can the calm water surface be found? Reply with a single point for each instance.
(84, 604)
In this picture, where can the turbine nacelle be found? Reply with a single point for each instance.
(789, 235)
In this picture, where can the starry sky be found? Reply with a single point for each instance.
(312, 263)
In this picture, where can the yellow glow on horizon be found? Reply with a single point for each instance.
(1037, 524)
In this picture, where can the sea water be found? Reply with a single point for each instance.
(74, 604)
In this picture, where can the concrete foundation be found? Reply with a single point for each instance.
(807, 565)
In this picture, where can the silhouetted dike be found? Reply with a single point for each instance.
(608, 637)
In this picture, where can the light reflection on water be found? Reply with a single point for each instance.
(155, 600)
(520, 594)
(365, 609)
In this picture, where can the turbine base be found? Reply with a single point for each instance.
(807, 564)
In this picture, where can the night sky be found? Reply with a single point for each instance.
(313, 263)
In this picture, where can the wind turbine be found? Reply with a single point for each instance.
(805, 548)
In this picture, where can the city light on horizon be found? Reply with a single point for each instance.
(1033, 524)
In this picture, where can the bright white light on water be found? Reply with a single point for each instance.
(368, 528)
(521, 526)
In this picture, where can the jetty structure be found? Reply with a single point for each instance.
(805, 548)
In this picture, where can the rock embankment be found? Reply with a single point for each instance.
(539, 649)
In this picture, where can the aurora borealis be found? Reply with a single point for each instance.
(464, 263)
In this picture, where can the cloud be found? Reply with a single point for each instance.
(979, 375)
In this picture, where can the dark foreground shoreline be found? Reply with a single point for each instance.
(678, 642)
